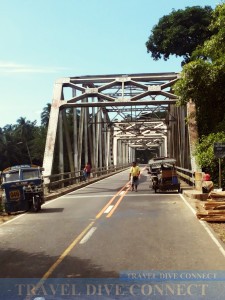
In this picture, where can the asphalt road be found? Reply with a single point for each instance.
(105, 230)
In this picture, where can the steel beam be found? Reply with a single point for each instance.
(127, 97)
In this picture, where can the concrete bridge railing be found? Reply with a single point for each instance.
(186, 175)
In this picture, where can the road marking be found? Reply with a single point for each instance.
(61, 258)
(88, 196)
(66, 252)
(88, 235)
(108, 209)
(205, 226)
(13, 219)
(121, 193)
(117, 204)
(110, 201)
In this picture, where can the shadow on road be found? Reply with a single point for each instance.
(19, 264)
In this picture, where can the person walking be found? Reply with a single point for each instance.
(134, 176)
(87, 171)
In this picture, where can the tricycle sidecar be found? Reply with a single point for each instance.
(22, 188)
(166, 178)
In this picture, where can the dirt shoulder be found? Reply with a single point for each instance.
(198, 206)
(4, 218)
(218, 227)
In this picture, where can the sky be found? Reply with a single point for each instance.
(44, 40)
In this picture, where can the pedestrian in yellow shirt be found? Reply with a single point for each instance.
(134, 176)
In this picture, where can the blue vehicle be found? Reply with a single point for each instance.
(22, 187)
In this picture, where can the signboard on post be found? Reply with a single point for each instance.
(219, 150)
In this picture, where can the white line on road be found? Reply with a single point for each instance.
(15, 218)
(214, 239)
(87, 196)
(108, 209)
(88, 235)
(122, 193)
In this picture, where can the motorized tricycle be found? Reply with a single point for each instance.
(163, 174)
(22, 187)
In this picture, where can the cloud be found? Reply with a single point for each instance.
(11, 67)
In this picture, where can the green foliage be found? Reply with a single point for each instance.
(202, 80)
(198, 34)
(45, 115)
(205, 155)
(180, 32)
(19, 140)
(214, 48)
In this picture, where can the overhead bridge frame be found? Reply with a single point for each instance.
(112, 116)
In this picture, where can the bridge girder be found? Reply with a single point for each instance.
(109, 107)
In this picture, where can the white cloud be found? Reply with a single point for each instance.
(11, 67)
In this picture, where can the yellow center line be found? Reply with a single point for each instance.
(62, 256)
(80, 236)
(68, 249)
(110, 201)
(117, 204)
(120, 199)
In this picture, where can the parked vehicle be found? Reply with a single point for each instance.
(163, 174)
(22, 187)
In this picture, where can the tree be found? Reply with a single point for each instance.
(45, 115)
(180, 32)
(38, 145)
(205, 154)
(202, 80)
(10, 152)
(25, 129)
(214, 47)
(23, 140)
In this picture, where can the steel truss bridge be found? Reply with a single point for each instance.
(113, 116)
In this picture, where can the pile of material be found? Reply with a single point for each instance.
(214, 208)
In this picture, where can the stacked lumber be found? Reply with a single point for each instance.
(214, 208)
(217, 196)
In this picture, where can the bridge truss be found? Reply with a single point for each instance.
(112, 116)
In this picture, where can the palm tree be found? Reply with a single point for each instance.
(26, 132)
(45, 115)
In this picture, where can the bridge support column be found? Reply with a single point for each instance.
(68, 141)
(75, 140)
(115, 150)
(100, 149)
(111, 145)
(193, 134)
(98, 118)
(60, 139)
(86, 134)
(93, 139)
(80, 137)
(52, 129)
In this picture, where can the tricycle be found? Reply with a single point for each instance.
(163, 174)
(23, 188)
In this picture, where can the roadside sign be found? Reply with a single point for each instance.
(219, 150)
